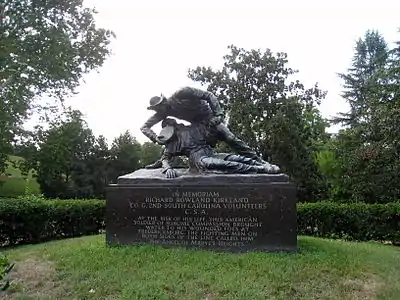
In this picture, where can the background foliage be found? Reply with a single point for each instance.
(46, 48)
(277, 117)
(33, 220)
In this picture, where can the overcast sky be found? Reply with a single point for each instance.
(158, 41)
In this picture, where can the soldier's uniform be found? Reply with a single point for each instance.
(198, 107)
(191, 141)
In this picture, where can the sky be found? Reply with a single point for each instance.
(158, 41)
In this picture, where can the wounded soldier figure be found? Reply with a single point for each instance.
(191, 141)
(196, 106)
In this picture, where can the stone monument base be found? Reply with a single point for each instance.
(252, 212)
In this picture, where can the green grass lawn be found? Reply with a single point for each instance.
(84, 268)
(17, 185)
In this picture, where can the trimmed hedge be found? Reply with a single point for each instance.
(354, 221)
(35, 220)
(25, 221)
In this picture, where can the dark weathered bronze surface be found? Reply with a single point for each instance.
(217, 211)
(203, 111)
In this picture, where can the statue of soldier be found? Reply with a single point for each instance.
(191, 141)
(197, 107)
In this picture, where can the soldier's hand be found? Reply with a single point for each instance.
(216, 120)
(275, 169)
(159, 142)
(271, 169)
(156, 165)
(171, 173)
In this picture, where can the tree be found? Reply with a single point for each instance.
(125, 156)
(98, 164)
(61, 155)
(279, 119)
(150, 152)
(370, 57)
(45, 49)
(385, 142)
(327, 165)
(368, 150)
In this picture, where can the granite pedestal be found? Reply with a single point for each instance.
(252, 212)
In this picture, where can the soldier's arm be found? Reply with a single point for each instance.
(146, 128)
(157, 164)
(166, 161)
(190, 92)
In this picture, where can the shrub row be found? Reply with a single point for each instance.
(354, 221)
(32, 221)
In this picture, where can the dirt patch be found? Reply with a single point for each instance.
(33, 278)
(364, 289)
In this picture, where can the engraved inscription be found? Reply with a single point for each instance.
(197, 202)
(196, 227)
(209, 231)
(237, 217)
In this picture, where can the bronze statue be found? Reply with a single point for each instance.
(191, 141)
(197, 107)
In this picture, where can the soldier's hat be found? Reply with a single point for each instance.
(168, 122)
(155, 101)
(167, 130)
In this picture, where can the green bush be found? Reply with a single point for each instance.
(354, 221)
(35, 220)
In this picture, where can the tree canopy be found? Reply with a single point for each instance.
(367, 150)
(45, 49)
(277, 117)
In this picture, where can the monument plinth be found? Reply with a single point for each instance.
(223, 201)
(231, 212)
